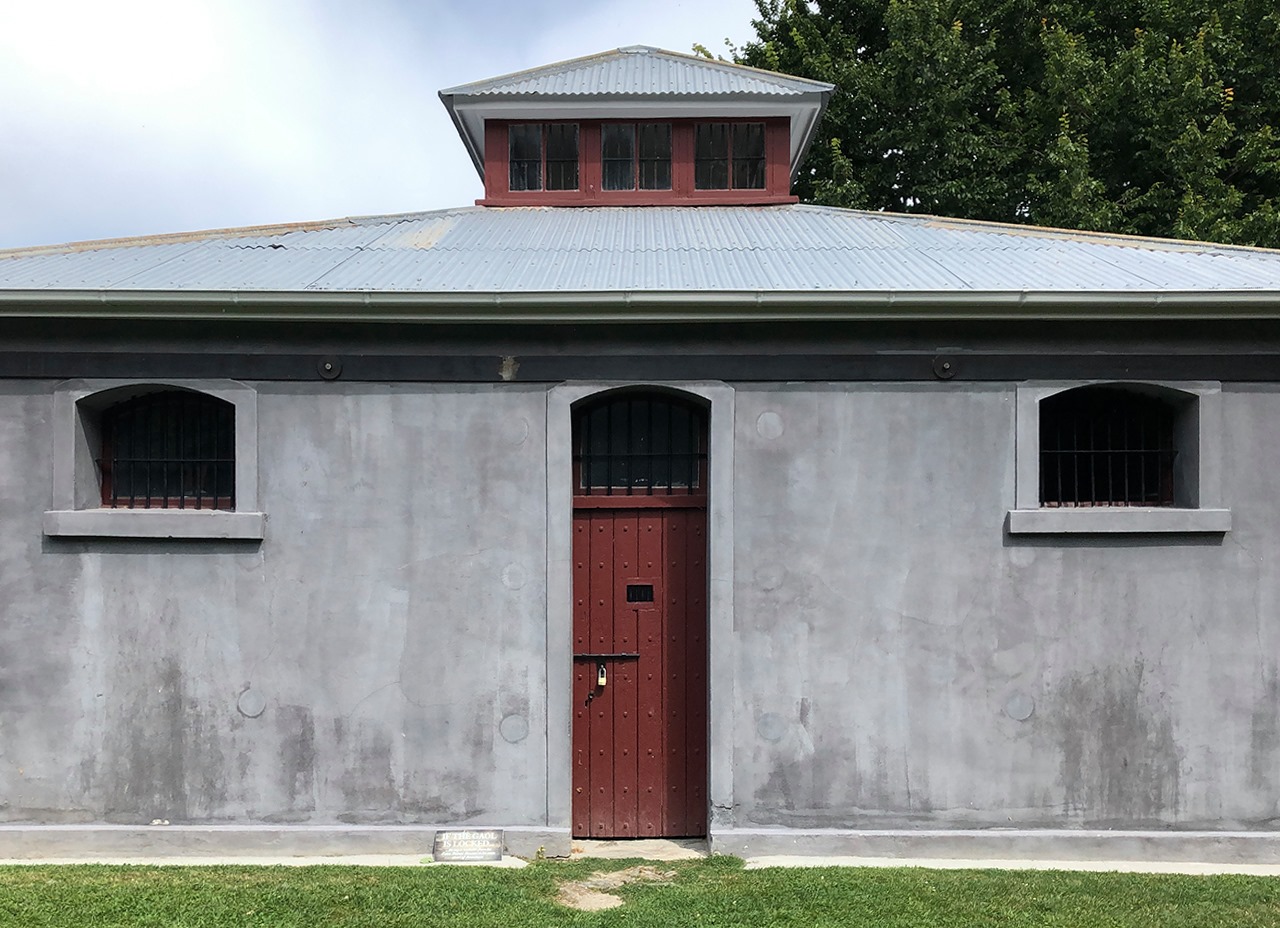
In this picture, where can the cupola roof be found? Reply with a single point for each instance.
(637, 82)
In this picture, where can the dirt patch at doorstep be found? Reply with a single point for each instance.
(592, 894)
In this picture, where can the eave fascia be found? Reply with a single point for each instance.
(616, 306)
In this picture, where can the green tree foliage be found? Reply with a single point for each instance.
(1151, 117)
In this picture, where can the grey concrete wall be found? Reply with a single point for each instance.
(911, 665)
(389, 630)
(899, 659)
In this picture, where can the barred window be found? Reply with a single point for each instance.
(170, 450)
(1107, 446)
(640, 444)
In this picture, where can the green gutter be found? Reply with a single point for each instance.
(637, 305)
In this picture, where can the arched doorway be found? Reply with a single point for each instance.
(640, 476)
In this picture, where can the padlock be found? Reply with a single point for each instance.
(600, 676)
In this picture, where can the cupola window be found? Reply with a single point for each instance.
(729, 156)
(543, 156)
(636, 156)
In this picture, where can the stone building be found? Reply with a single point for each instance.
(640, 499)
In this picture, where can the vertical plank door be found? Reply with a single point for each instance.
(640, 740)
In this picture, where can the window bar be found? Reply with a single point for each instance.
(693, 448)
(123, 447)
(609, 450)
(217, 456)
(629, 456)
(134, 419)
(184, 408)
(157, 436)
(1073, 460)
(1135, 450)
(162, 406)
(1063, 461)
(188, 456)
(584, 451)
(113, 452)
(1110, 458)
(114, 435)
(208, 482)
(146, 419)
(168, 405)
(228, 454)
(671, 449)
(1164, 461)
(199, 446)
(648, 431)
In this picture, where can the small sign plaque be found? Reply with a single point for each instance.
(458, 845)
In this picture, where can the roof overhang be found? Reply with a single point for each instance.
(469, 112)
(638, 306)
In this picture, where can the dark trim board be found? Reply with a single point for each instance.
(950, 366)
(801, 337)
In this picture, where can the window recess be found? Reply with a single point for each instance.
(148, 460)
(1119, 458)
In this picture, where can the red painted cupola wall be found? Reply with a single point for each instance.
(637, 126)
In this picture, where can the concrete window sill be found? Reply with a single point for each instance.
(1119, 520)
(154, 523)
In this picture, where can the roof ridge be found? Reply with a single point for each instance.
(587, 61)
(555, 67)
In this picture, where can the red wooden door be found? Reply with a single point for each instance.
(640, 739)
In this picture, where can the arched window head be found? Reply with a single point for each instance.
(1108, 446)
(173, 449)
(640, 443)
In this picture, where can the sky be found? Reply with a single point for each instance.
(138, 117)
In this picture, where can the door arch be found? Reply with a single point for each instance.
(639, 561)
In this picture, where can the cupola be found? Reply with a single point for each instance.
(637, 126)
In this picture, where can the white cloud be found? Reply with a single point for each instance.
(144, 116)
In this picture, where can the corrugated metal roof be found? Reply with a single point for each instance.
(640, 70)
(734, 249)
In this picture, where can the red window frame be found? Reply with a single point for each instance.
(590, 190)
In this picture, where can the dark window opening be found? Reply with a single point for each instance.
(729, 155)
(636, 156)
(541, 154)
(639, 592)
(525, 156)
(645, 444)
(1106, 446)
(169, 450)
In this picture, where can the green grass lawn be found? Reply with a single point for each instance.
(705, 892)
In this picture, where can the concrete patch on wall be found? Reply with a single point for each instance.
(1264, 734)
(296, 730)
(1120, 761)
(162, 756)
